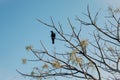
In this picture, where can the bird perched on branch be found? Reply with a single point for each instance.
(53, 37)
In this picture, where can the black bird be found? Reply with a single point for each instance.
(53, 37)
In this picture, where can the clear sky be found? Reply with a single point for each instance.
(19, 27)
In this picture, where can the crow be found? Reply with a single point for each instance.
(53, 37)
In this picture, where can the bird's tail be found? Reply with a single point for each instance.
(53, 42)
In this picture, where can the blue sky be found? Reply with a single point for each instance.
(19, 27)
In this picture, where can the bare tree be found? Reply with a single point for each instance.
(86, 59)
